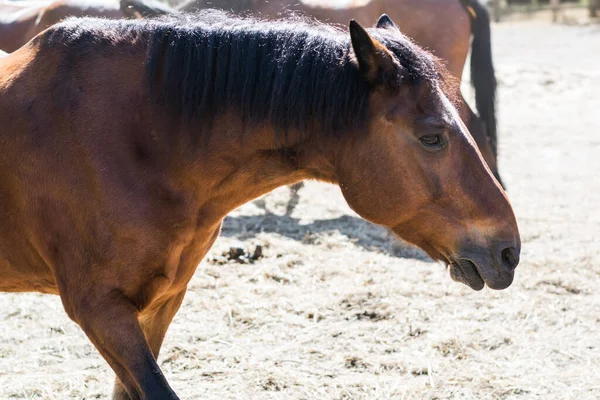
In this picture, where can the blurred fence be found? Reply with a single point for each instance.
(502, 8)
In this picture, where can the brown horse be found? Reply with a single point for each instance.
(443, 27)
(22, 20)
(113, 185)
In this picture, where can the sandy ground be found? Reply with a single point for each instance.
(335, 309)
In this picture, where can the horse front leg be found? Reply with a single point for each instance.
(154, 325)
(110, 321)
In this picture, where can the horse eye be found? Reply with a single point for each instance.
(432, 142)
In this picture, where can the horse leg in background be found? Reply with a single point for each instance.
(477, 129)
(483, 76)
(594, 6)
(109, 319)
(155, 325)
(294, 197)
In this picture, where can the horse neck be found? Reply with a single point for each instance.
(253, 162)
(249, 148)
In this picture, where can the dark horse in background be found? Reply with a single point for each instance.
(114, 179)
(22, 20)
(444, 27)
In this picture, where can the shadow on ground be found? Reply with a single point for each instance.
(360, 232)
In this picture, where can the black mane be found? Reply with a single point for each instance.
(299, 76)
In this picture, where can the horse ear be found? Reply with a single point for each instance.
(385, 22)
(375, 61)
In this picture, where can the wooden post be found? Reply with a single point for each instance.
(554, 4)
(533, 6)
(594, 7)
(496, 10)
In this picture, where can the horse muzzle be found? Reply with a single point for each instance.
(494, 267)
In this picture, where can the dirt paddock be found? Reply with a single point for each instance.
(333, 308)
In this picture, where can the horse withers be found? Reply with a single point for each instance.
(114, 179)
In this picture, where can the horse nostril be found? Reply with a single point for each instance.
(510, 258)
